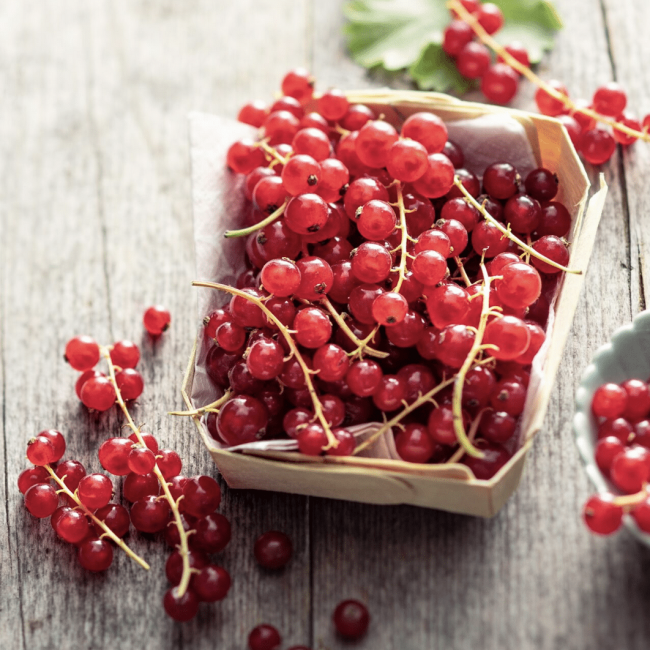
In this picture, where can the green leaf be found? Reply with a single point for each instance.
(434, 70)
(407, 34)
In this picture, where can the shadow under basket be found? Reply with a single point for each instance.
(450, 487)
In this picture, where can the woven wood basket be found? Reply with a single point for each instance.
(450, 487)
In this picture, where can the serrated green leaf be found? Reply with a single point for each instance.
(399, 34)
(434, 70)
(393, 33)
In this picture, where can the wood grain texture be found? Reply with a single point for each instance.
(95, 224)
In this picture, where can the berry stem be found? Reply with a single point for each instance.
(506, 231)
(462, 271)
(229, 234)
(459, 380)
(483, 36)
(362, 345)
(98, 522)
(267, 148)
(422, 399)
(318, 409)
(630, 500)
(404, 240)
(182, 535)
(213, 407)
(473, 429)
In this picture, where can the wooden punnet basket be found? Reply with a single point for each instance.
(217, 198)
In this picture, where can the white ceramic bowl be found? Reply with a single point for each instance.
(626, 356)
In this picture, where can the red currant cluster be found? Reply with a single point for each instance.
(622, 455)
(499, 82)
(594, 128)
(161, 499)
(367, 296)
(594, 141)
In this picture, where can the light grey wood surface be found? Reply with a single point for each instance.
(95, 224)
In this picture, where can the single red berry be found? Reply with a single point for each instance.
(41, 451)
(169, 463)
(41, 500)
(116, 517)
(130, 383)
(113, 455)
(264, 637)
(351, 619)
(141, 460)
(602, 515)
(136, 487)
(95, 491)
(181, 608)
(95, 555)
(32, 476)
(211, 584)
(125, 354)
(82, 353)
(72, 526)
(273, 550)
(609, 401)
(213, 532)
(84, 377)
(71, 472)
(156, 320)
(150, 514)
(98, 393)
(202, 496)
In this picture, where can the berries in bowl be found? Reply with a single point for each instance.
(612, 431)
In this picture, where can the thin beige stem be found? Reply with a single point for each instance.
(459, 379)
(404, 239)
(107, 531)
(318, 409)
(471, 435)
(183, 546)
(213, 407)
(506, 232)
(531, 76)
(362, 345)
(266, 147)
(463, 273)
(243, 232)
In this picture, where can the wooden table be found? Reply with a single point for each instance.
(96, 224)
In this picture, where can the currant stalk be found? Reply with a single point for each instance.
(267, 148)
(182, 534)
(213, 407)
(243, 232)
(362, 344)
(403, 240)
(507, 233)
(318, 409)
(459, 379)
(525, 71)
(98, 522)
